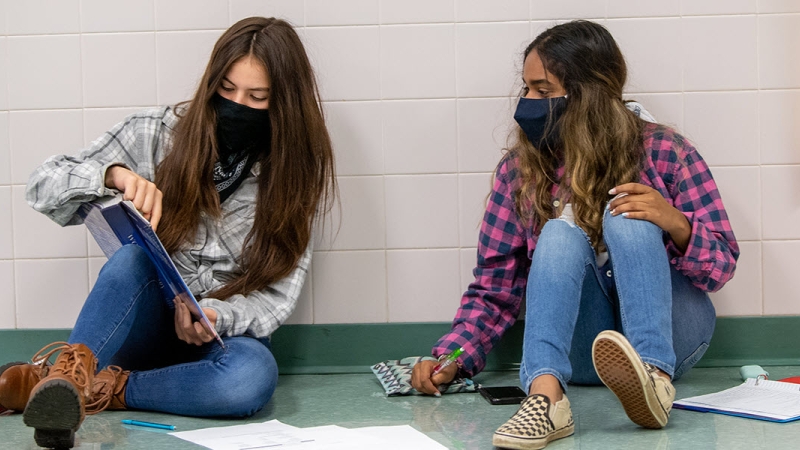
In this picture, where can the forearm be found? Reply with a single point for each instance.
(679, 229)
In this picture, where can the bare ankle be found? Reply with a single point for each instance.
(547, 385)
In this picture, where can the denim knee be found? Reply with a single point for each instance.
(249, 378)
(620, 230)
(127, 262)
(562, 238)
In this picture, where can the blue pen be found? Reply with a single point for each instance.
(148, 424)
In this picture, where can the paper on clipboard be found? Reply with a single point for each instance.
(754, 399)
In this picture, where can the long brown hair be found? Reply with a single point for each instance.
(296, 177)
(601, 140)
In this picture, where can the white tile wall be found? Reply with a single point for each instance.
(779, 67)
(5, 151)
(95, 264)
(181, 58)
(468, 257)
(781, 283)
(654, 61)
(350, 55)
(417, 61)
(32, 63)
(3, 71)
(419, 98)
(489, 58)
(341, 12)
(421, 211)
(54, 304)
(723, 126)
(97, 121)
(778, 6)
(714, 7)
(360, 223)
(419, 136)
(488, 11)
(99, 16)
(423, 285)
(31, 145)
(473, 189)
(3, 15)
(484, 126)
(742, 295)
(43, 17)
(289, 10)
(417, 11)
(638, 8)
(109, 78)
(354, 284)
(780, 212)
(730, 63)
(740, 189)
(666, 108)
(567, 9)
(355, 129)
(7, 304)
(6, 229)
(304, 311)
(36, 236)
(191, 14)
(779, 114)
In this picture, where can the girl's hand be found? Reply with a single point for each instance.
(144, 194)
(422, 381)
(645, 203)
(188, 330)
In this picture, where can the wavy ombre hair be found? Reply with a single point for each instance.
(296, 178)
(600, 139)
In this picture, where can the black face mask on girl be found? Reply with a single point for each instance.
(532, 116)
(240, 128)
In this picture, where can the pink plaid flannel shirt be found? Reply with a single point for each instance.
(491, 303)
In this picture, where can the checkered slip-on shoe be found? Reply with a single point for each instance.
(536, 423)
(646, 396)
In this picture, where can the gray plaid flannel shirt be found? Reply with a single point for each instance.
(59, 186)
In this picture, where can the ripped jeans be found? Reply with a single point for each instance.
(636, 292)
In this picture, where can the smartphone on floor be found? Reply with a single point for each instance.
(503, 395)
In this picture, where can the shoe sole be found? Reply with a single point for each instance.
(518, 443)
(54, 411)
(621, 369)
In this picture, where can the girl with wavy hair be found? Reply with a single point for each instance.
(232, 182)
(612, 229)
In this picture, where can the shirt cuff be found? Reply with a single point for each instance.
(224, 322)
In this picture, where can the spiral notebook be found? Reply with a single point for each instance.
(760, 399)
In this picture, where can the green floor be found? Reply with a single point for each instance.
(462, 421)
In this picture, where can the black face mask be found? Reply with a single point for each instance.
(240, 129)
(533, 114)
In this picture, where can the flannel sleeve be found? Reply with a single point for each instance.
(62, 183)
(491, 303)
(260, 313)
(710, 258)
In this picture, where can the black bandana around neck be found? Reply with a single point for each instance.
(244, 135)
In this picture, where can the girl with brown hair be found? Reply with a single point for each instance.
(232, 182)
(612, 230)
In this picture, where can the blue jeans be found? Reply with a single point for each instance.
(570, 300)
(126, 322)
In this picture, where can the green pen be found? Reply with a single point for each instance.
(449, 359)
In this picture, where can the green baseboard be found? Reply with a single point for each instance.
(353, 348)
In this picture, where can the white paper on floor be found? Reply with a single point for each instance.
(275, 434)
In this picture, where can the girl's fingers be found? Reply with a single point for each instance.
(155, 215)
